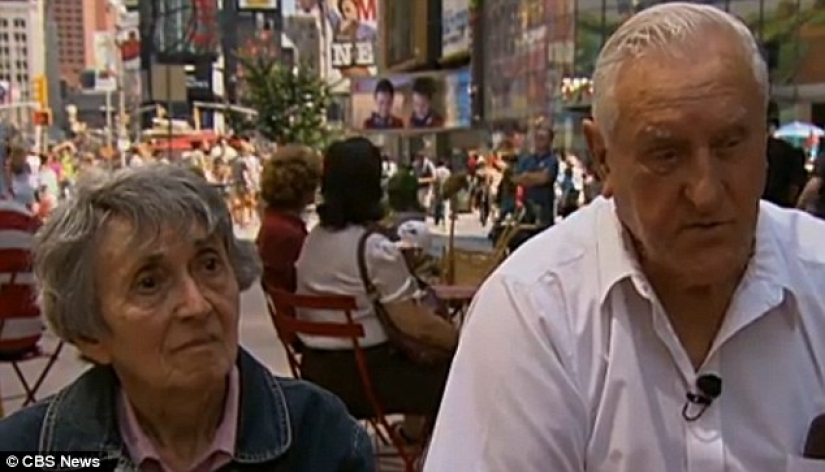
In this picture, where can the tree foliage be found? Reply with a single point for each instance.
(291, 102)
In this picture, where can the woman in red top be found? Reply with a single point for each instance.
(289, 181)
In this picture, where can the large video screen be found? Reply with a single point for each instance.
(425, 102)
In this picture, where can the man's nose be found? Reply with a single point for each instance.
(704, 186)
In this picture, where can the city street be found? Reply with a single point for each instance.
(256, 331)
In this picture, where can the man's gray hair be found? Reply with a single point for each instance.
(662, 28)
(152, 198)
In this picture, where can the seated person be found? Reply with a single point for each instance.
(402, 198)
(141, 271)
(288, 183)
(351, 190)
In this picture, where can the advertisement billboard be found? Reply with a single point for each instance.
(349, 35)
(185, 30)
(258, 5)
(105, 61)
(455, 27)
(129, 41)
(409, 103)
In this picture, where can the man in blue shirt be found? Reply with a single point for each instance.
(537, 174)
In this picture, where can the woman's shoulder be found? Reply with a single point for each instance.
(21, 430)
(321, 421)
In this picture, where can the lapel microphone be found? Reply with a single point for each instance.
(708, 389)
(815, 443)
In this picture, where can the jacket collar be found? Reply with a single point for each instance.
(82, 417)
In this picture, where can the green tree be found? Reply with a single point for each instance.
(291, 102)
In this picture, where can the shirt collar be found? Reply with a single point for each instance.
(83, 416)
(767, 268)
(616, 261)
(141, 448)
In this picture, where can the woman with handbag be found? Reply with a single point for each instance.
(408, 347)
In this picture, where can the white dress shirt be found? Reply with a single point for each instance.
(568, 363)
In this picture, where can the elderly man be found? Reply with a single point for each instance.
(677, 326)
(142, 273)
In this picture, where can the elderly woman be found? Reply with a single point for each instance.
(141, 272)
(288, 184)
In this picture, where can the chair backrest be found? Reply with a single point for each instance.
(284, 305)
(20, 324)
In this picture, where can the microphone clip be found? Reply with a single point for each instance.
(709, 388)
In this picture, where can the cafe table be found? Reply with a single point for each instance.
(457, 298)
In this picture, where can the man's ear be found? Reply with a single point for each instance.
(598, 151)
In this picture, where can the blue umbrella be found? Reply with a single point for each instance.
(797, 129)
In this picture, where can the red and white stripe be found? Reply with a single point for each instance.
(24, 328)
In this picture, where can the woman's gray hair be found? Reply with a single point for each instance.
(152, 198)
(668, 26)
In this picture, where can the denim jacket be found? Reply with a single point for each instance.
(284, 425)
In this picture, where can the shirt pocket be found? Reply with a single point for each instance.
(801, 464)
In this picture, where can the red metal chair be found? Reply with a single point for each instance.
(17, 302)
(282, 306)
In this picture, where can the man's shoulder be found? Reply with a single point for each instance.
(798, 234)
(565, 247)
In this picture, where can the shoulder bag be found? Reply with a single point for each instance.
(414, 349)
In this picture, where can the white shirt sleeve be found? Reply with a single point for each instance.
(388, 270)
(510, 404)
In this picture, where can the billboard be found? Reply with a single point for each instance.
(409, 103)
(349, 35)
(105, 61)
(258, 5)
(129, 41)
(455, 27)
(185, 30)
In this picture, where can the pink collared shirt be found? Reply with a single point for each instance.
(145, 455)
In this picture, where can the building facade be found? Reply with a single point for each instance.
(305, 35)
(791, 32)
(77, 21)
(22, 53)
(539, 55)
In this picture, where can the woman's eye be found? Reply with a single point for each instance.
(147, 283)
(211, 263)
